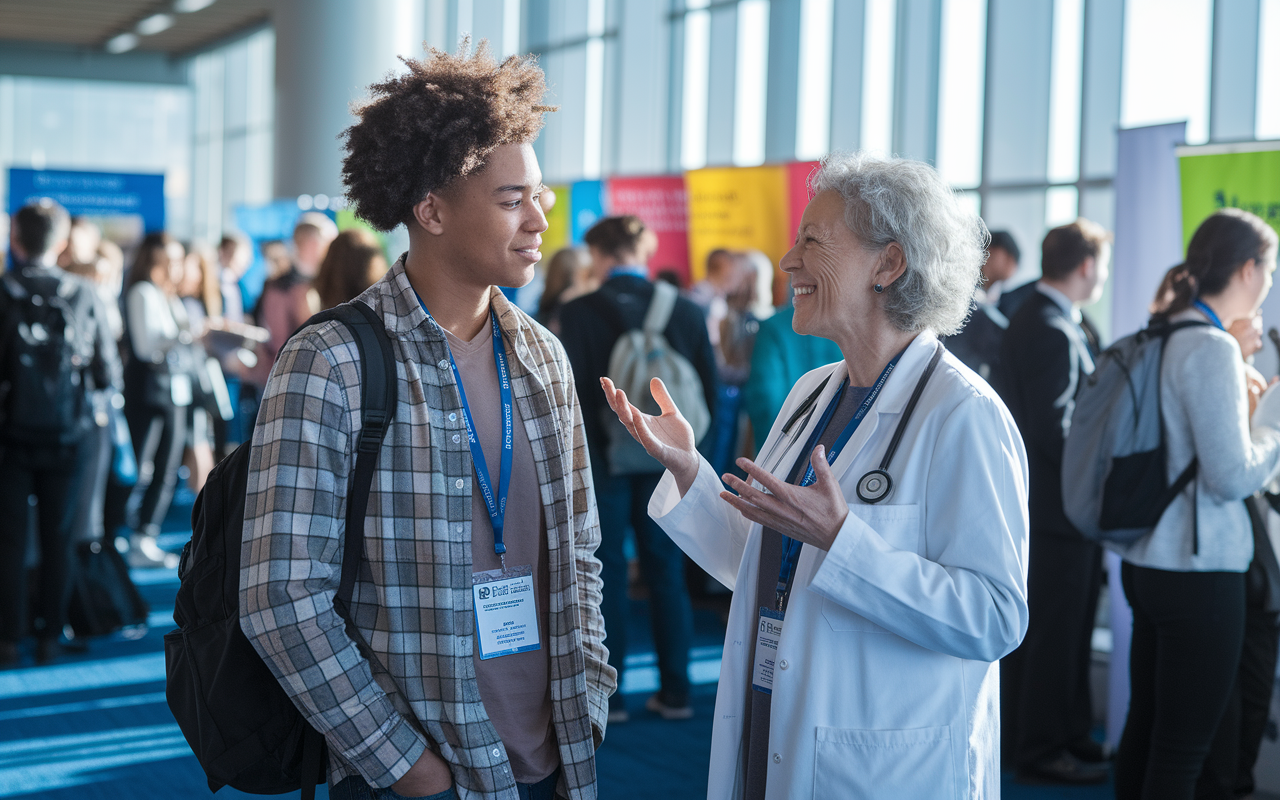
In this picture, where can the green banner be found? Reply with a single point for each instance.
(1245, 176)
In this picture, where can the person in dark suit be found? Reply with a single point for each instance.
(589, 328)
(978, 342)
(1048, 350)
(1004, 248)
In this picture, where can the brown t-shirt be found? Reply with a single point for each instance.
(515, 689)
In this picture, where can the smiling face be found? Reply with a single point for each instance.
(488, 225)
(832, 272)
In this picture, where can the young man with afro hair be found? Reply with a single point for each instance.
(434, 688)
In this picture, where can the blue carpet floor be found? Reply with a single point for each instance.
(96, 726)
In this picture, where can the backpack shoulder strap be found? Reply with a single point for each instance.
(660, 307)
(377, 409)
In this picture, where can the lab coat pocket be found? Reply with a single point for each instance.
(913, 764)
(899, 526)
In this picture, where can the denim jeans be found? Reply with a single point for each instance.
(354, 788)
(622, 502)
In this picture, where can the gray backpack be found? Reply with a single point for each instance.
(638, 356)
(1115, 484)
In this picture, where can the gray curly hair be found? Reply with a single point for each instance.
(944, 244)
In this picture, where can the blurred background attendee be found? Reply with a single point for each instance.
(1187, 580)
(289, 298)
(201, 294)
(591, 327)
(235, 254)
(737, 338)
(569, 276)
(779, 359)
(96, 259)
(1004, 251)
(978, 342)
(1228, 769)
(1048, 351)
(353, 263)
(157, 388)
(48, 432)
(711, 292)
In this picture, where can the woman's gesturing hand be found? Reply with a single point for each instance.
(668, 438)
(812, 514)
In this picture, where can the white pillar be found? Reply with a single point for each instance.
(783, 81)
(915, 107)
(327, 53)
(645, 91)
(1233, 85)
(847, 53)
(721, 85)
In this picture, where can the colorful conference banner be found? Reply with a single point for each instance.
(663, 205)
(559, 225)
(743, 208)
(1245, 176)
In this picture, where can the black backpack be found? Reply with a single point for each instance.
(242, 726)
(46, 350)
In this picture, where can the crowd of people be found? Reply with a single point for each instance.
(120, 383)
(863, 443)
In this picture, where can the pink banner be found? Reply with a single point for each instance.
(661, 203)
(798, 175)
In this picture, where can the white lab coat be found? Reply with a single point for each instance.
(887, 679)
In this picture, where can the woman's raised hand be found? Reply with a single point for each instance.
(668, 437)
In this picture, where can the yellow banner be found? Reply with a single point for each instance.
(738, 208)
(556, 236)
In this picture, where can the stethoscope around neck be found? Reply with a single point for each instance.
(876, 484)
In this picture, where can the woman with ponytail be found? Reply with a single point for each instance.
(1186, 579)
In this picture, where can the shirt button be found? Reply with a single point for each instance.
(458, 483)
(459, 529)
(777, 758)
(497, 753)
(443, 364)
(453, 417)
(783, 664)
(456, 438)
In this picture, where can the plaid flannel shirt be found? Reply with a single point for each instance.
(400, 677)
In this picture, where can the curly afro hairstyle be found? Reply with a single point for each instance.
(440, 121)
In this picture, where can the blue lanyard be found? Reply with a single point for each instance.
(496, 505)
(1203, 308)
(791, 547)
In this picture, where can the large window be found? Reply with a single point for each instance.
(232, 155)
(100, 126)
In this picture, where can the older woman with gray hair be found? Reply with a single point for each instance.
(878, 555)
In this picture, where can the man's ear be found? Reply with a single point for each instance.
(893, 263)
(1088, 268)
(428, 214)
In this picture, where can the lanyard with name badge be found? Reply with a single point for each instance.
(872, 488)
(505, 608)
(769, 628)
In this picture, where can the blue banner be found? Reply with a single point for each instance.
(92, 194)
(586, 200)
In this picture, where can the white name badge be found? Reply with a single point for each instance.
(506, 612)
(768, 632)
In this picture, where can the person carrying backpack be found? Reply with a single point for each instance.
(604, 335)
(1185, 579)
(470, 658)
(56, 350)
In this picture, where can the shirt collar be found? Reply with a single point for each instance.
(635, 270)
(1064, 302)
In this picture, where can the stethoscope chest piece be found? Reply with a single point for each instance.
(874, 486)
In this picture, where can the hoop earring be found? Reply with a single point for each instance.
(878, 289)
